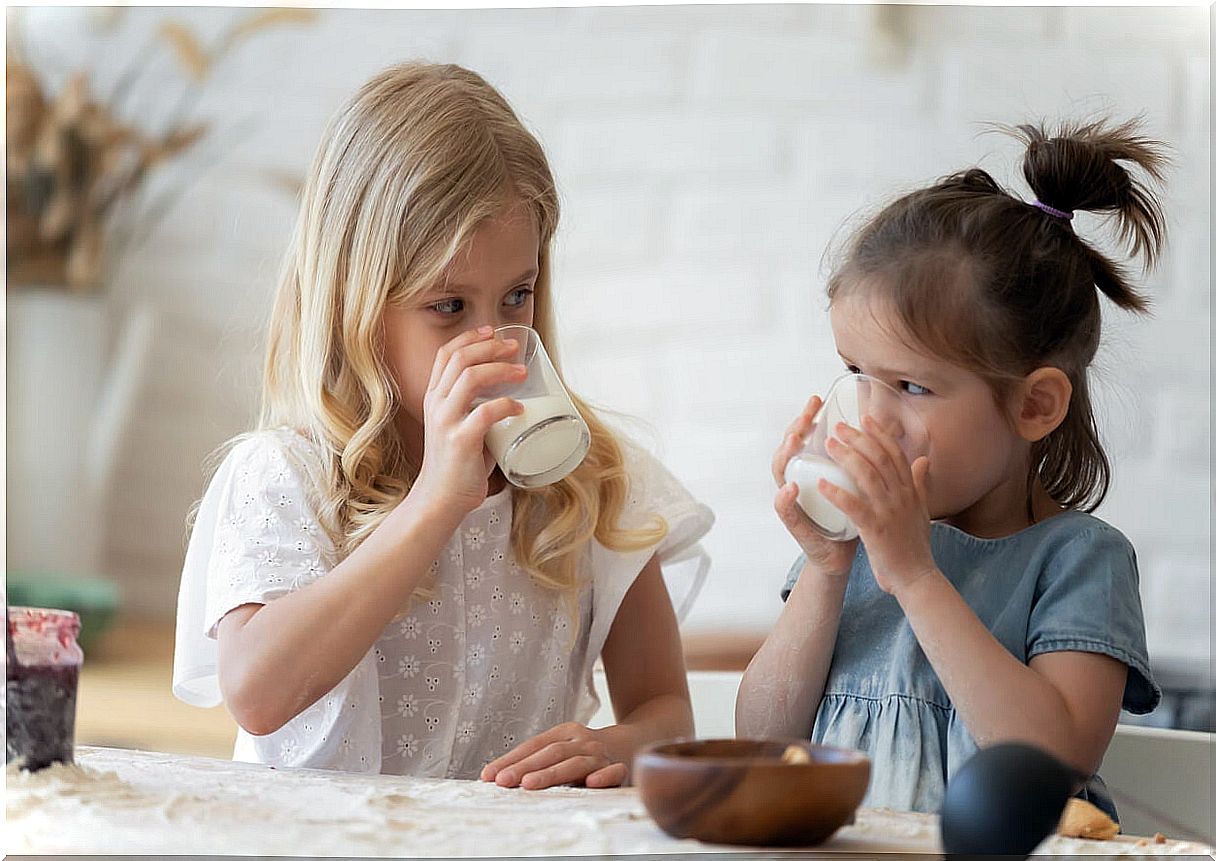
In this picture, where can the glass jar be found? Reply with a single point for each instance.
(42, 662)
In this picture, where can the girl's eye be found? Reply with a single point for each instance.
(912, 388)
(518, 297)
(448, 306)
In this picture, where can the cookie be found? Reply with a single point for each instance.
(1082, 819)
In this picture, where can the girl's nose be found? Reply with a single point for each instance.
(889, 422)
(491, 320)
(496, 319)
(883, 406)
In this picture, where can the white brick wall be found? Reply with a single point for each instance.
(706, 156)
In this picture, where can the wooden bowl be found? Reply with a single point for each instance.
(741, 791)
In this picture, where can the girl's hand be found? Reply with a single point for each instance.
(456, 464)
(567, 753)
(893, 514)
(829, 557)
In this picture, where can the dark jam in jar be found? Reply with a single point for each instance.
(42, 668)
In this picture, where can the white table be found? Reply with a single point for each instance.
(122, 802)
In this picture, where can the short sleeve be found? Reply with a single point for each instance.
(268, 540)
(256, 538)
(791, 578)
(684, 563)
(653, 490)
(1087, 599)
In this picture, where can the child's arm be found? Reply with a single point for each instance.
(782, 686)
(644, 663)
(278, 658)
(1066, 702)
(646, 679)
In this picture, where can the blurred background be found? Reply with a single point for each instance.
(706, 157)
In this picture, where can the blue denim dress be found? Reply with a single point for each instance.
(1068, 583)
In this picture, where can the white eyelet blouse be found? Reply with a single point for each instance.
(487, 661)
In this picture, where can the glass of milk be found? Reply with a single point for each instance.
(549, 439)
(850, 398)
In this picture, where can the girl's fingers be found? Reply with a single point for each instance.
(920, 479)
(610, 775)
(830, 555)
(883, 436)
(476, 379)
(470, 356)
(851, 505)
(783, 504)
(803, 421)
(550, 755)
(575, 768)
(801, 426)
(520, 751)
(792, 516)
(789, 445)
(794, 436)
(486, 415)
(886, 470)
(868, 480)
(444, 354)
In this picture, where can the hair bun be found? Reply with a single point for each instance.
(1081, 167)
(972, 181)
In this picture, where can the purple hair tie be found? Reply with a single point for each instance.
(1051, 210)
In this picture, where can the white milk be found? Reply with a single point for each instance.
(543, 450)
(805, 471)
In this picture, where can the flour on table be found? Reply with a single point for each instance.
(133, 802)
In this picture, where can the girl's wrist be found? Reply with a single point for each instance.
(911, 591)
(836, 576)
(824, 579)
(430, 513)
(815, 598)
(433, 503)
(661, 717)
(622, 742)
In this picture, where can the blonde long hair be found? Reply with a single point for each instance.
(404, 175)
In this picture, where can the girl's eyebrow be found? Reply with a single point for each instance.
(913, 373)
(448, 288)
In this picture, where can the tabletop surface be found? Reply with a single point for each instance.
(121, 802)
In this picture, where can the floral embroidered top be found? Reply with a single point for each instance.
(486, 660)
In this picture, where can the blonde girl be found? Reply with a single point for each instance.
(363, 590)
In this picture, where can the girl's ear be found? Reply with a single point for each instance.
(1041, 403)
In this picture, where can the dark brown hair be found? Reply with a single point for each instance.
(992, 283)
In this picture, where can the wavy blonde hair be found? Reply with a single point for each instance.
(405, 173)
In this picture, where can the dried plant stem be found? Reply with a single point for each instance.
(77, 196)
(140, 228)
